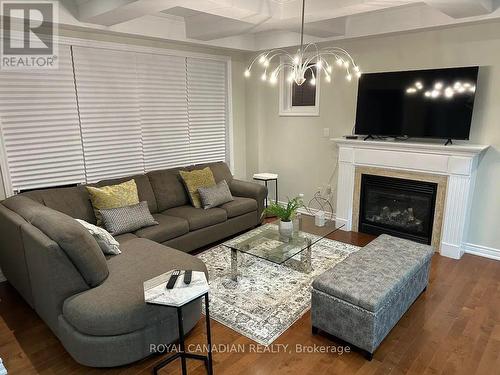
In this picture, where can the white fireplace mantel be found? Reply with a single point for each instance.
(458, 162)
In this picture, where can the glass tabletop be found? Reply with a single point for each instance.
(267, 243)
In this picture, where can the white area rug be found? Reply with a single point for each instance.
(268, 298)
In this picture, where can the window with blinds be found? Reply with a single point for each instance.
(163, 110)
(108, 102)
(207, 109)
(111, 113)
(40, 128)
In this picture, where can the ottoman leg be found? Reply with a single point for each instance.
(368, 355)
(314, 330)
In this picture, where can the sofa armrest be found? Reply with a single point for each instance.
(253, 190)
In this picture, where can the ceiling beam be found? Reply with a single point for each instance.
(463, 8)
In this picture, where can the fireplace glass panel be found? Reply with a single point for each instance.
(404, 208)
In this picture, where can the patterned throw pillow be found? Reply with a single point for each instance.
(127, 219)
(107, 243)
(106, 197)
(215, 195)
(196, 179)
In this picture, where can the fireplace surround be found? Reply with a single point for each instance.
(452, 167)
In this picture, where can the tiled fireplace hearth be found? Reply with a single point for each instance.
(433, 206)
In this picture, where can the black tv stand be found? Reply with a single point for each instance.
(369, 136)
(448, 142)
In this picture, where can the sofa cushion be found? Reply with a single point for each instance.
(144, 189)
(122, 238)
(239, 206)
(72, 201)
(193, 180)
(215, 196)
(168, 227)
(108, 244)
(198, 217)
(220, 170)
(117, 306)
(127, 219)
(113, 196)
(168, 188)
(77, 243)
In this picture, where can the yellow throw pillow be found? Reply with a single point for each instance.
(196, 179)
(114, 196)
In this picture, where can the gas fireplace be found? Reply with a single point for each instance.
(399, 207)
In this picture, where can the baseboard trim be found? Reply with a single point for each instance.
(309, 210)
(482, 251)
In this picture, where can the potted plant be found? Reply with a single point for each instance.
(286, 214)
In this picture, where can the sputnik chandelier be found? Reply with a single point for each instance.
(307, 58)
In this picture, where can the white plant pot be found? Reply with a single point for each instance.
(286, 228)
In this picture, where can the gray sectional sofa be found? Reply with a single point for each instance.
(95, 304)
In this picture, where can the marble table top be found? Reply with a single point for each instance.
(155, 290)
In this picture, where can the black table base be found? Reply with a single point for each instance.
(182, 353)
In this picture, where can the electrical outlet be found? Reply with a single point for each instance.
(326, 132)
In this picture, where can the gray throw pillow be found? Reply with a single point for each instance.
(127, 219)
(107, 243)
(214, 196)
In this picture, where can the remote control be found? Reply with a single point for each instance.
(173, 279)
(187, 277)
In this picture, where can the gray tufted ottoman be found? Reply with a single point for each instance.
(362, 298)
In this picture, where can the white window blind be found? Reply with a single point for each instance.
(39, 126)
(107, 91)
(207, 109)
(163, 110)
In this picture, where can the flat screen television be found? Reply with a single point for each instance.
(435, 103)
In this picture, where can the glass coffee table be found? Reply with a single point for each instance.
(265, 242)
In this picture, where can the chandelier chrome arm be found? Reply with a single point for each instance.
(303, 61)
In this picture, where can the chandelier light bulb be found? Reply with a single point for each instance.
(328, 78)
(340, 62)
(262, 59)
(419, 85)
(273, 79)
(358, 74)
(266, 63)
(427, 94)
(349, 77)
(319, 64)
(449, 92)
(329, 69)
(313, 81)
(438, 85)
(263, 77)
(472, 89)
(346, 64)
(296, 59)
(457, 85)
(247, 73)
(411, 90)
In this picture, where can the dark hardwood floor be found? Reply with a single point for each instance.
(453, 328)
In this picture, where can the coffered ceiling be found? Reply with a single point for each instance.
(261, 24)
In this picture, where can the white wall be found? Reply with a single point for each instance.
(296, 149)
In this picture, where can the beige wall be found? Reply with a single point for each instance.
(296, 149)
